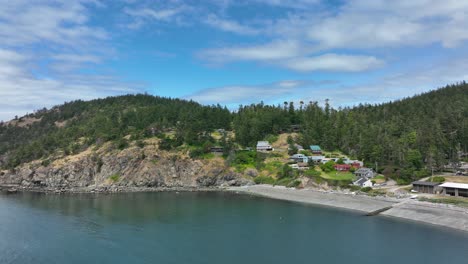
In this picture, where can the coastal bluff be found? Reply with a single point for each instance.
(134, 168)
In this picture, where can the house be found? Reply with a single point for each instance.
(303, 166)
(294, 166)
(316, 149)
(364, 173)
(295, 128)
(298, 147)
(354, 163)
(299, 158)
(325, 160)
(342, 167)
(264, 146)
(455, 189)
(316, 158)
(363, 182)
(425, 187)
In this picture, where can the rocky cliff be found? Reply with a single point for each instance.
(135, 168)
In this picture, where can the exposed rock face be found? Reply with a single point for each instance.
(131, 168)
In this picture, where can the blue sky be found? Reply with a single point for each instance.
(228, 52)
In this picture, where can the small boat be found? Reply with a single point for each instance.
(11, 191)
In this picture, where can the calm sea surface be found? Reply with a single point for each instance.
(209, 228)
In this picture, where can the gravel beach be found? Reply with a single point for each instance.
(435, 214)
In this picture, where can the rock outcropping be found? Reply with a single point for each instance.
(131, 169)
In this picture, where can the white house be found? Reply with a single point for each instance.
(316, 158)
(363, 182)
(264, 146)
(299, 158)
(364, 173)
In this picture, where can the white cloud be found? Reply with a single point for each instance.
(229, 25)
(296, 39)
(22, 92)
(296, 4)
(159, 14)
(334, 62)
(44, 45)
(378, 24)
(268, 52)
(167, 12)
(61, 22)
(395, 85)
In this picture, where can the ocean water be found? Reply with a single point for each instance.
(213, 227)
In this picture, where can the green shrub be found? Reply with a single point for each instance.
(114, 177)
(354, 188)
(294, 184)
(45, 162)
(311, 173)
(366, 189)
(140, 143)
(438, 179)
(264, 180)
(122, 144)
(196, 152)
(403, 181)
(244, 160)
(328, 167)
(271, 138)
(283, 181)
(422, 173)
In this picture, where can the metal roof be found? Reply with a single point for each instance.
(364, 170)
(425, 183)
(455, 185)
(315, 147)
(263, 143)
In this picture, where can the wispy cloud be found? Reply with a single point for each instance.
(146, 14)
(334, 62)
(229, 25)
(299, 39)
(61, 22)
(160, 14)
(267, 52)
(44, 46)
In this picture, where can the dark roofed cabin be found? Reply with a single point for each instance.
(217, 149)
(425, 187)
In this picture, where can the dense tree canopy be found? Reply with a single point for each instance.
(76, 125)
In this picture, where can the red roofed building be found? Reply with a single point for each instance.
(342, 167)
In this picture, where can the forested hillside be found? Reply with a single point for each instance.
(74, 126)
(425, 131)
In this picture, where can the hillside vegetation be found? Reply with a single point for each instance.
(405, 138)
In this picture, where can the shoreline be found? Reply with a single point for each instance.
(440, 215)
(107, 190)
